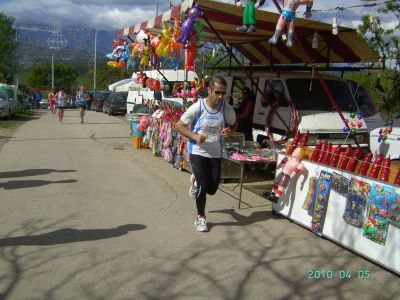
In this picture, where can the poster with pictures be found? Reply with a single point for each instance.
(356, 201)
(376, 223)
(394, 211)
(308, 203)
(340, 184)
(321, 202)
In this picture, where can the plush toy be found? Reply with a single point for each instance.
(287, 16)
(291, 166)
(188, 24)
(249, 15)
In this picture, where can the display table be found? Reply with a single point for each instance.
(383, 248)
(242, 166)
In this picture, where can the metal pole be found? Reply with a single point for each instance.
(157, 8)
(52, 70)
(16, 72)
(95, 63)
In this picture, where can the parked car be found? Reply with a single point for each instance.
(43, 104)
(97, 104)
(115, 103)
(7, 105)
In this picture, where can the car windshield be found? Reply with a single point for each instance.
(141, 109)
(308, 94)
(102, 96)
(363, 99)
(120, 97)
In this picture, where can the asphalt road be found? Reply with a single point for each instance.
(85, 216)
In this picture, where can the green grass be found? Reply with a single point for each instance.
(21, 116)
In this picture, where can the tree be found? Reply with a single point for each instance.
(104, 77)
(8, 48)
(383, 85)
(65, 76)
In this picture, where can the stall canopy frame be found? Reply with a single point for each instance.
(221, 19)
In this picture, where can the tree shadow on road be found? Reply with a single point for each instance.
(23, 184)
(69, 235)
(31, 172)
(241, 220)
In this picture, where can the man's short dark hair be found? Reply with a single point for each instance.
(216, 79)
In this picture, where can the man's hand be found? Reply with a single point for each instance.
(226, 131)
(257, 5)
(238, 3)
(200, 138)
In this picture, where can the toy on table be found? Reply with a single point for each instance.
(397, 179)
(376, 223)
(335, 156)
(316, 152)
(249, 15)
(345, 158)
(365, 164)
(291, 167)
(356, 202)
(287, 16)
(376, 166)
(352, 164)
(385, 169)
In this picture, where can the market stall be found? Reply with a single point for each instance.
(360, 212)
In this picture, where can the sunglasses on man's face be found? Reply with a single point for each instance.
(219, 93)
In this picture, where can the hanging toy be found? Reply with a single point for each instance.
(249, 15)
(384, 132)
(345, 158)
(287, 16)
(188, 24)
(352, 164)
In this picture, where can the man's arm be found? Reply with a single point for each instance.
(186, 131)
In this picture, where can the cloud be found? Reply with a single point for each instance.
(117, 14)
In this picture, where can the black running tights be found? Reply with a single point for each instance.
(207, 172)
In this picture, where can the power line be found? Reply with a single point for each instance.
(341, 8)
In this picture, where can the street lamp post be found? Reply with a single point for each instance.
(56, 42)
(95, 63)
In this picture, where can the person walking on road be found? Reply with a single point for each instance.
(81, 98)
(61, 99)
(205, 123)
(51, 98)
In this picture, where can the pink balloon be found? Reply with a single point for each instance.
(139, 127)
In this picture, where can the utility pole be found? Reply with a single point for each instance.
(56, 42)
(95, 63)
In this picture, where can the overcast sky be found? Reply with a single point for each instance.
(116, 14)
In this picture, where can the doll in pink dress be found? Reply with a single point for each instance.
(291, 166)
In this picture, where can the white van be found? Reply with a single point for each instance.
(137, 94)
(316, 113)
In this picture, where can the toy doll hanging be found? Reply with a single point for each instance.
(249, 15)
(288, 15)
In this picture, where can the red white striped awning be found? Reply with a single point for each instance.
(346, 47)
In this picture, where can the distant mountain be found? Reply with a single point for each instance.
(33, 47)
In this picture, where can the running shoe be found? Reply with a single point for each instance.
(201, 224)
(193, 187)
